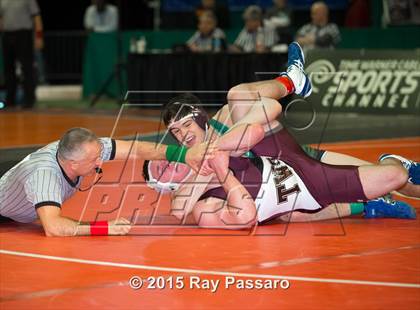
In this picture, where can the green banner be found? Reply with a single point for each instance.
(371, 81)
(101, 57)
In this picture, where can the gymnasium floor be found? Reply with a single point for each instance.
(346, 264)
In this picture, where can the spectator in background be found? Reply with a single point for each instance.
(319, 33)
(20, 21)
(101, 17)
(254, 37)
(219, 10)
(208, 38)
(279, 17)
(358, 14)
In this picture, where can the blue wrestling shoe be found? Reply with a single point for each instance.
(295, 71)
(412, 167)
(386, 207)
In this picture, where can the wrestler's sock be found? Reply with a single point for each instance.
(287, 83)
(357, 208)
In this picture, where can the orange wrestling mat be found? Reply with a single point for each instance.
(352, 263)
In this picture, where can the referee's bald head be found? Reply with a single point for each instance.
(71, 143)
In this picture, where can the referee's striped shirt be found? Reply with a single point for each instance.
(38, 180)
(247, 41)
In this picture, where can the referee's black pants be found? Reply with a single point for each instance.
(4, 219)
(19, 46)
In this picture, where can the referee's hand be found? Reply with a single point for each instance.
(119, 226)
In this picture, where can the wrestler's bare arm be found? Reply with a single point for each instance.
(215, 213)
(239, 139)
(186, 197)
(237, 212)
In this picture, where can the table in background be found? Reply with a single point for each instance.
(196, 72)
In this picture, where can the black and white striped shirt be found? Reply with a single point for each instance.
(247, 41)
(38, 180)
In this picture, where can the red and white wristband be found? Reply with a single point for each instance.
(99, 228)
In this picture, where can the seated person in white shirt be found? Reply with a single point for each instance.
(208, 37)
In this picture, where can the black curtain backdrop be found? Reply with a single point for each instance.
(198, 72)
(68, 15)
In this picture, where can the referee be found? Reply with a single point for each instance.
(38, 185)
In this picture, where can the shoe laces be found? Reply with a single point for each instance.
(297, 63)
(413, 164)
(387, 199)
(407, 164)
